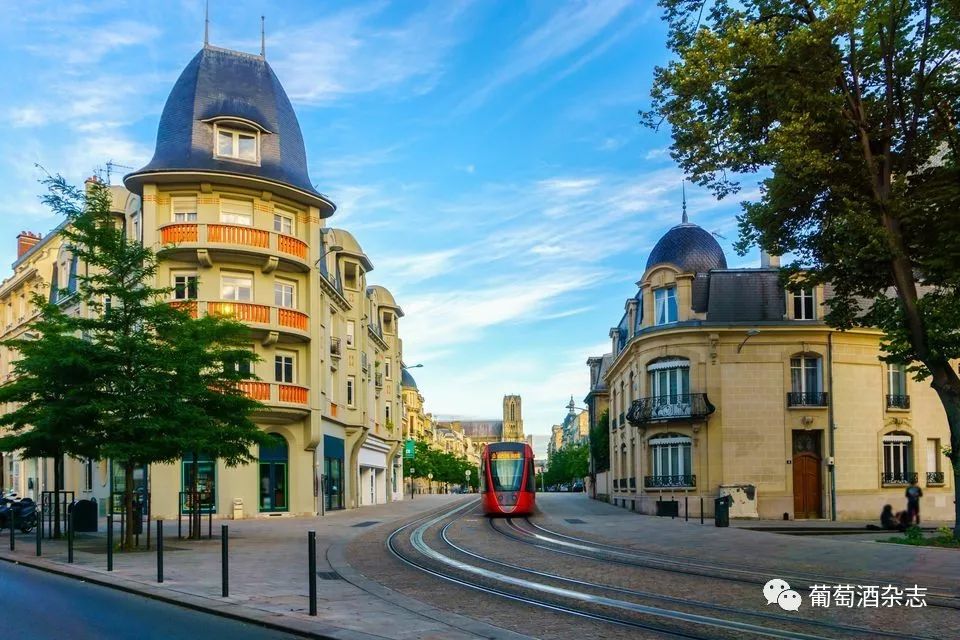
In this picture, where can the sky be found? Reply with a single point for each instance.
(486, 154)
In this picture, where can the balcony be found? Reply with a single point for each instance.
(672, 408)
(670, 482)
(335, 348)
(807, 399)
(292, 318)
(934, 478)
(283, 402)
(290, 322)
(898, 402)
(888, 478)
(378, 380)
(184, 238)
(242, 311)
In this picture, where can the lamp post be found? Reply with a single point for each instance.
(411, 482)
(331, 249)
(468, 473)
(430, 478)
(750, 334)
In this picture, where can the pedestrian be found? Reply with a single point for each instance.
(914, 493)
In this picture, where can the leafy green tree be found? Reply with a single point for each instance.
(55, 379)
(850, 110)
(567, 464)
(161, 389)
(600, 443)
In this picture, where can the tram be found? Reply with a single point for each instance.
(507, 479)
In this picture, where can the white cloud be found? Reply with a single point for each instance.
(657, 154)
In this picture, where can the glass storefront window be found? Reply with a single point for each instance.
(273, 474)
(206, 482)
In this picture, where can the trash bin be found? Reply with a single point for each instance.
(721, 511)
(238, 508)
(84, 515)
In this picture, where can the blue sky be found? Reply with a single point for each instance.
(486, 154)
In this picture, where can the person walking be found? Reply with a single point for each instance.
(914, 493)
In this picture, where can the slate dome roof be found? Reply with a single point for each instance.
(223, 84)
(690, 248)
(406, 380)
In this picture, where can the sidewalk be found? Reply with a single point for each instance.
(268, 574)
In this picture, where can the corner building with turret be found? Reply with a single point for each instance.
(240, 230)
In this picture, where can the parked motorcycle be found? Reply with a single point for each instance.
(22, 510)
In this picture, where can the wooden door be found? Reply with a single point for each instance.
(807, 480)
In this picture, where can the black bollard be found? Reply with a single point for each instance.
(210, 523)
(224, 560)
(110, 542)
(39, 533)
(312, 567)
(13, 526)
(159, 550)
(686, 508)
(70, 539)
(701, 509)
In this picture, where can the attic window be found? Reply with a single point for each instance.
(237, 144)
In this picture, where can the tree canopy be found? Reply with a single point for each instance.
(849, 110)
(567, 464)
(600, 443)
(445, 466)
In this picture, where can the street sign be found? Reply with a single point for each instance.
(408, 449)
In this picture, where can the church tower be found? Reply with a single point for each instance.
(512, 419)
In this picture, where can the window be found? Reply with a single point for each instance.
(236, 287)
(351, 388)
(88, 475)
(72, 275)
(236, 211)
(350, 274)
(386, 368)
(237, 145)
(55, 285)
(184, 209)
(283, 367)
(803, 305)
(805, 382)
(283, 223)
(386, 411)
(185, 286)
(897, 458)
(285, 294)
(934, 472)
(239, 365)
(351, 328)
(665, 305)
(669, 388)
(670, 461)
(137, 228)
(897, 397)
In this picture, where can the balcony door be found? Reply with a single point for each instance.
(807, 477)
(670, 388)
(273, 474)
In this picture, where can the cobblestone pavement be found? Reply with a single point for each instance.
(268, 573)
(502, 544)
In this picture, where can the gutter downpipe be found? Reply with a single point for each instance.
(832, 427)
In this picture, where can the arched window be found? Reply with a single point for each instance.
(671, 461)
(273, 474)
(72, 278)
(806, 381)
(898, 458)
(55, 285)
(669, 387)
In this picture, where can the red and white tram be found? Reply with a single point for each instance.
(507, 479)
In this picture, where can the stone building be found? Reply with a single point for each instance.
(482, 432)
(240, 230)
(722, 382)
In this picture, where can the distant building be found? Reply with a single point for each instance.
(483, 432)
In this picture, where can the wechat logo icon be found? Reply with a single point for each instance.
(779, 592)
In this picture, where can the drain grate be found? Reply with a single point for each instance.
(575, 521)
(366, 524)
(328, 575)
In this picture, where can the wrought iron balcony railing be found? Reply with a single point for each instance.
(378, 380)
(683, 406)
(934, 477)
(663, 482)
(903, 477)
(335, 347)
(898, 402)
(807, 399)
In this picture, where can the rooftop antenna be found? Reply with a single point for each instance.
(683, 187)
(206, 25)
(263, 39)
(110, 167)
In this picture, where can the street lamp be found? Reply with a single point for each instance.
(411, 482)
(332, 249)
(468, 473)
(750, 334)
(413, 366)
(430, 478)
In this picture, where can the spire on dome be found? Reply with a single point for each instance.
(206, 25)
(683, 188)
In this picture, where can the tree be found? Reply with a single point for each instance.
(162, 389)
(600, 443)
(850, 109)
(54, 382)
(567, 464)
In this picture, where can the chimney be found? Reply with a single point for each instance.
(768, 261)
(25, 242)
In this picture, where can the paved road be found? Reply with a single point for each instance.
(44, 606)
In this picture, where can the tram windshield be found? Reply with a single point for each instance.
(506, 470)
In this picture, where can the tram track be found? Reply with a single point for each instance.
(590, 604)
(581, 547)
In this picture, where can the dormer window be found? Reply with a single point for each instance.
(803, 305)
(237, 144)
(665, 305)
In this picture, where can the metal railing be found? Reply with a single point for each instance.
(807, 399)
(682, 406)
(633, 483)
(903, 477)
(898, 402)
(658, 482)
(335, 346)
(934, 477)
(378, 380)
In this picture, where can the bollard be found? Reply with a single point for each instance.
(686, 508)
(39, 533)
(70, 539)
(701, 509)
(224, 560)
(312, 568)
(13, 526)
(109, 542)
(159, 550)
(210, 523)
